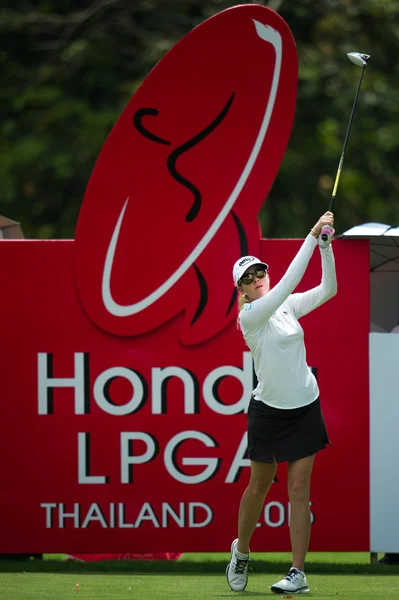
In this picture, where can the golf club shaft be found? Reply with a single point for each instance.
(341, 162)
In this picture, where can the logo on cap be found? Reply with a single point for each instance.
(245, 260)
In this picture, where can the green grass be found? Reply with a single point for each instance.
(45, 586)
(270, 557)
(332, 557)
(326, 563)
(278, 557)
(338, 576)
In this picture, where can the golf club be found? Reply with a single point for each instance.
(361, 61)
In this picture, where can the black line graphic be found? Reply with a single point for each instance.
(243, 252)
(203, 295)
(175, 155)
(138, 123)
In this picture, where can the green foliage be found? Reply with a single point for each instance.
(130, 585)
(69, 68)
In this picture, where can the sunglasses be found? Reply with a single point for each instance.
(250, 277)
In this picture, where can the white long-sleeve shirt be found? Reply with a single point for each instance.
(273, 334)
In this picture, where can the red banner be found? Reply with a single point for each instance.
(125, 382)
(114, 444)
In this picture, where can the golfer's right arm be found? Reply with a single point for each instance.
(258, 312)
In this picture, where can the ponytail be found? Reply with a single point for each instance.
(242, 300)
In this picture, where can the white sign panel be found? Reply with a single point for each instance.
(384, 442)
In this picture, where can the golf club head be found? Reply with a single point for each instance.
(358, 59)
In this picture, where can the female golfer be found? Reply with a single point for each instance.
(285, 422)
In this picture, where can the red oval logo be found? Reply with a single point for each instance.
(174, 196)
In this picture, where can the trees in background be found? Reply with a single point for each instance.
(70, 67)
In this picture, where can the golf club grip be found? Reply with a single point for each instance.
(324, 237)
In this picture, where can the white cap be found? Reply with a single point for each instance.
(242, 265)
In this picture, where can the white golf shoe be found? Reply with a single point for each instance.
(294, 583)
(237, 570)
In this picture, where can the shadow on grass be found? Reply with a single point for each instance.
(128, 567)
(278, 595)
(241, 594)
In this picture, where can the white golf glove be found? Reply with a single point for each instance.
(325, 236)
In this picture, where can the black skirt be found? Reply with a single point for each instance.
(285, 435)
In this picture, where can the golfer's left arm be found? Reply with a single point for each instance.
(303, 303)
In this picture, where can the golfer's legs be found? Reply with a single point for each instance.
(262, 475)
(299, 472)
